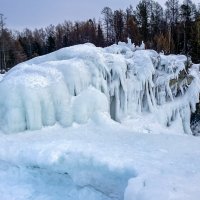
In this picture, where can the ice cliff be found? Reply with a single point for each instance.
(72, 84)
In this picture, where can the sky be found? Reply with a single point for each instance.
(32, 14)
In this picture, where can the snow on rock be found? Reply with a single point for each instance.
(73, 83)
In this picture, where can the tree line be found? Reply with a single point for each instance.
(174, 29)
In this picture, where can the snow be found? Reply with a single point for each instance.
(75, 124)
(100, 160)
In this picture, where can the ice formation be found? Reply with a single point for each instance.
(72, 84)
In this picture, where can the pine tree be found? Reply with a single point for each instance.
(155, 21)
(188, 13)
(119, 25)
(100, 37)
(172, 15)
(108, 23)
(195, 37)
(142, 15)
(132, 30)
(50, 41)
(2, 44)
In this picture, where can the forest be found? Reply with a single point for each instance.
(173, 29)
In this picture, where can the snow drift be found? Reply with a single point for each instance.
(98, 161)
(72, 84)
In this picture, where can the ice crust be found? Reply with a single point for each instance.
(72, 84)
(100, 160)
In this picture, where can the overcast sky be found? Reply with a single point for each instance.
(22, 14)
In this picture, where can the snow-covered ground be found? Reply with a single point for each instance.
(75, 125)
(100, 160)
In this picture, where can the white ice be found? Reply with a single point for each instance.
(71, 84)
(69, 147)
(100, 160)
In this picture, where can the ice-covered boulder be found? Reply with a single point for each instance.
(72, 84)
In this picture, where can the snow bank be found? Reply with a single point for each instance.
(100, 160)
(73, 83)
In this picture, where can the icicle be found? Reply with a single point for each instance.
(132, 80)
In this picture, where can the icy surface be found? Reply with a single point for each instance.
(100, 160)
(69, 147)
(73, 83)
